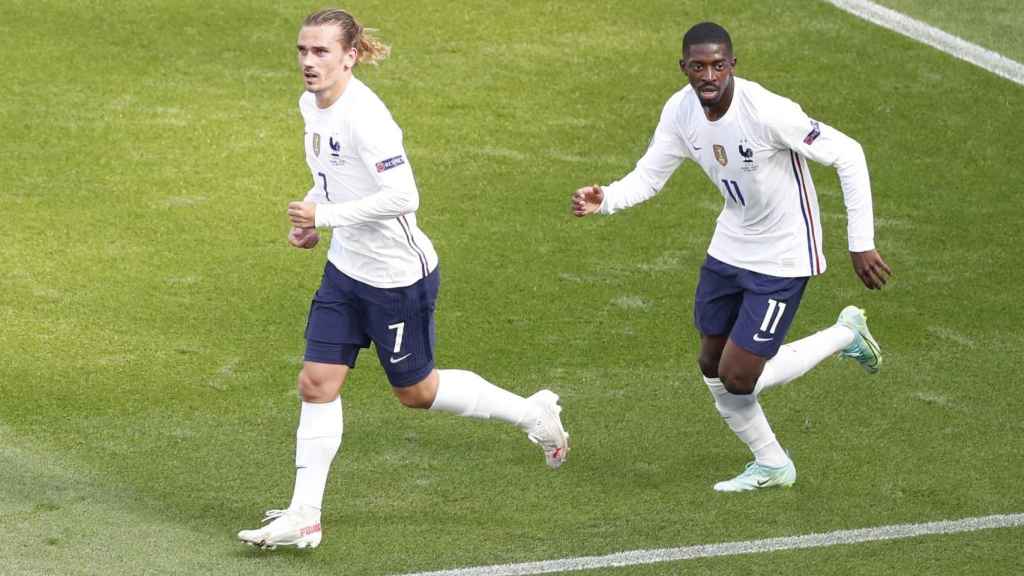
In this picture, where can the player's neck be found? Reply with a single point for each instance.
(326, 98)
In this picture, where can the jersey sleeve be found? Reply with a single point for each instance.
(378, 140)
(789, 127)
(664, 155)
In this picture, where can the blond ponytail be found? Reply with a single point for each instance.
(371, 50)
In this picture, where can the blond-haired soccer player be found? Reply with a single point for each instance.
(754, 147)
(380, 282)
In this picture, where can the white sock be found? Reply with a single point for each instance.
(317, 440)
(795, 359)
(465, 393)
(744, 416)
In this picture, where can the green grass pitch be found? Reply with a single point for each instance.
(151, 312)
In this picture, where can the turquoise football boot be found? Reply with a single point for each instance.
(864, 348)
(757, 476)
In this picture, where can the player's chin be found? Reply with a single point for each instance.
(709, 98)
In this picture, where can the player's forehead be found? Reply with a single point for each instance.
(708, 52)
(320, 36)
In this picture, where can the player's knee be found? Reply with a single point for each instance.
(736, 380)
(313, 388)
(708, 365)
(419, 395)
(414, 397)
(306, 385)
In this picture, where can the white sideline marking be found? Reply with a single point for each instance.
(635, 557)
(954, 45)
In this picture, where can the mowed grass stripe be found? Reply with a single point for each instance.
(640, 557)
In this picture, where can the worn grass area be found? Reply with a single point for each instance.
(152, 313)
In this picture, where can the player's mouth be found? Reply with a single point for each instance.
(709, 89)
(309, 76)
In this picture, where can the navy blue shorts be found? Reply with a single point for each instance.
(346, 315)
(755, 310)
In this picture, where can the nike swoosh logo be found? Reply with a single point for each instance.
(400, 358)
(763, 482)
(759, 339)
(697, 148)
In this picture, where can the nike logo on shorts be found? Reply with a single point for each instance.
(759, 339)
(400, 358)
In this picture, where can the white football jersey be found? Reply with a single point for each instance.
(364, 189)
(756, 156)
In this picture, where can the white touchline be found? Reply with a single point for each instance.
(992, 61)
(637, 557)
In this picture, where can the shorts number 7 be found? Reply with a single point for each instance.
(399, 331)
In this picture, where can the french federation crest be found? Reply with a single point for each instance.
(747, 153)
(720, 154)
(335, 156)
(316, 144)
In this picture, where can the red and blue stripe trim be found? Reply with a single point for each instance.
(806, 211)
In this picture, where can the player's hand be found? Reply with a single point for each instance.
(305, 238)
(587, 200)
(302, 214)
(872, 270)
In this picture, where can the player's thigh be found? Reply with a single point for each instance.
(767, 310)
(400, 321)
(717, 300)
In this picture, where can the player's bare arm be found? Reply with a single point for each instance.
(302, 214)
(871, 268)
(587, 200)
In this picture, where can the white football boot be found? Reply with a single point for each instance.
(547, 432)
(299, 528)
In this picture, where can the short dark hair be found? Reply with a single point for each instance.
(706, 33)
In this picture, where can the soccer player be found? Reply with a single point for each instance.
(380, 282)
(753, 145)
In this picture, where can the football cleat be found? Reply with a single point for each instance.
(757, 476)
(299, 528)
(547, 431)
(864, 348)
